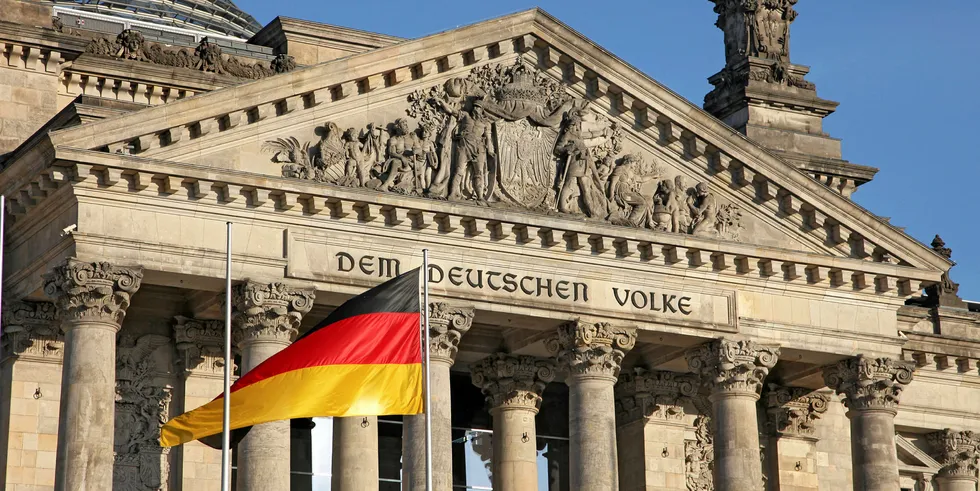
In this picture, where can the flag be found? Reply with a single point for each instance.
(364, 359)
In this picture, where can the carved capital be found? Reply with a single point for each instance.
(643, 394)
(87, 292)
(956, 451)
(869, 383)
(31, 329)
(268, 311)
(200, 344)
(733, 366)
(447, 325)
(510, 381)
(591, 349)
(793, 411)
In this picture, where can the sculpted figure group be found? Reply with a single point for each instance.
(505, 136)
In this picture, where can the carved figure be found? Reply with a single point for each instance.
(703, 211)
(579, 173)
(130, 45)
(209, 57)
(403, 173)
(330, 155)
(356, 173)
(295, 157)
(473, 145)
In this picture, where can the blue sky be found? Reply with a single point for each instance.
(905, 72)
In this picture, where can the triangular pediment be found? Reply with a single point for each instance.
(565, 129)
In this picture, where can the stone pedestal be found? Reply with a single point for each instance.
(957, 452)
(513, 386)
(447, 324)
(791, 459)
(265, 319)
(871, 388)
(355, 454)
(734, 372)
(591, 354)
(92, 299)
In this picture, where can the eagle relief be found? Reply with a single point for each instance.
(507, 136)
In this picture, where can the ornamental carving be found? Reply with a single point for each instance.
(200, 345)
(206, 57)
(268, 311)
(142, 407)
(956, 451)
(653, 394)
(447, 325)
(587, 349)
(733, 366)
(510, 137)
(32, 329)
(699, 456)
(946, 292)
(92, 291)
(869, 383)
(756, 28)
(793, 411)
(513, 381)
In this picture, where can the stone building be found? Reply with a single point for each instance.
(629, 291)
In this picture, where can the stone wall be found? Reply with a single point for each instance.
(29, 423)
(28, 94)
(833, 456)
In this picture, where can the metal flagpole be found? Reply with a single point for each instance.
(428, 378)
(226, 413)
(3, 208)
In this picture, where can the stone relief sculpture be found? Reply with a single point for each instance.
(699, 456)
(507, 136)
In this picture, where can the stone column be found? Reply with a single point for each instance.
(92, 299)
(513, 386)
(591, 354)
(734, 372)
(650, 427)
(871, 388)
(447, 324)
(957, 452)
(355, 454)
(30, 373)
(792, 414)
(265, 319)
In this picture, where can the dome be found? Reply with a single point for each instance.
(210, 16)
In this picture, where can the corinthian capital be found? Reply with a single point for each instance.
(268, 311)
(587, 349)
(200, 344)
(793, 411)
(92, 292)
(956, 451)
(31, 329)
(869, 383)
(653, 394)
(733, 366)
(511, 381)
(447, 325)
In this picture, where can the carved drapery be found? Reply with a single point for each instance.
(869, 383)
(268, 311)
(793, 411)
(653, 394)
(733, 366)
(957, 452)
(513, 381)
(92, 291)
(200, 345)
(31, 329)
(591, 349)
(447, 325)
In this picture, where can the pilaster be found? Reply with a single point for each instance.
(791, 426)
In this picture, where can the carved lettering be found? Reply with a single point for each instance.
(456, 276)
(490, 276)
(366, 265)
(510, 283)
(388, 267)
(684, 305)
(345, 262)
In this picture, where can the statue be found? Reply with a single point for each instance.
(579, 172)
(473, 145)
(209, 56)
(703, 211)
(401, 164)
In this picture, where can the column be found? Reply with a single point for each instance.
(355, 454)
(871, 388)
(956, 451)
(447, 324)
(650, 426)
(591, 354)
(30, 377)
(265, 319)
(791, 425)
(513, 386)
(734, 372)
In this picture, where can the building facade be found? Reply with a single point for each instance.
(629, 292)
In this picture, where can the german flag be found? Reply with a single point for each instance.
(364, 359)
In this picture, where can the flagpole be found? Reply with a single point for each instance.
(428, 379)
(3, 209)
(226, 412)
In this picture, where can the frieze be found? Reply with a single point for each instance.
(509, 137)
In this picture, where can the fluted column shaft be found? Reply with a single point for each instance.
(734, 372)
(92, 299)
(355, 454)
(592, 354)
(447, 324)
(265, 319)
(957, 452)
(871, 388)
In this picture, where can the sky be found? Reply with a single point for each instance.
(905, 72)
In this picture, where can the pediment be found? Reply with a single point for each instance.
(518, 113)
